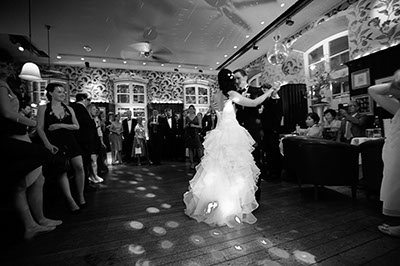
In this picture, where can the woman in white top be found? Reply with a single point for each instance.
(313, 130)
(388, 96)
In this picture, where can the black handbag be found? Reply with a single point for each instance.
(58, 164)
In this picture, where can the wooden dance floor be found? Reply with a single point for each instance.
(136, 218)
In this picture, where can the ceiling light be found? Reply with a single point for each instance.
(124, 62)
(21, 48)
(144, 63)
(247, 36)
(162, 64)
(104, 60)
(58, 57)
(87, 48)
(83, 59)
(179, 66)
(195, 67)
(283, 4)
(234, 47)
(226, 55)
(211, 68)
(30, 71)
(262, 22)
(217, 63)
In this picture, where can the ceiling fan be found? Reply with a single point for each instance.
(146, 51)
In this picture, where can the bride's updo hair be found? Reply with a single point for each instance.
(226, 81)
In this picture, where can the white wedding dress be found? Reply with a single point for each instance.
(222, 190)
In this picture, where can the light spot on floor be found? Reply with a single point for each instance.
(238, 247)
(303, 256)
(158, 178)
(196, 239)
(265, 242)
(139, 179)
(173, 165)
(131, 191)
(145, 169)
(171, 224)
(136, 225)
(294, 231)
(165, 244)
(215, 233)
(159, 231)
(151, 174)
(133, 182)
(129, 172)
(138, 175)
(218, 255)
(279, 253)
(267, 262)
(112, 178)
(119, 172)
(122, 181)
(150, 195)
(136, 249)
(165, 205)
(141, 188)
(143, 262)
(152, 210)
(154, 187)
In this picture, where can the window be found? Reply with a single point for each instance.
(197, 93)
(123, 93)
(330, 55)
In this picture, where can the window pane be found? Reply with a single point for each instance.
(203, 91)
(122, 98)
(190, 91)
(338, 45)
(316, 55)
(319, 67)
(203, 99)
(138, 98)
(138, 89)
(138, 112)
(123, 88)
(337, 62)
(190, 99)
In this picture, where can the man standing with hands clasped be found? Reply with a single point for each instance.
(249, 118)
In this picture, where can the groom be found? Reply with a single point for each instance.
(249, 118)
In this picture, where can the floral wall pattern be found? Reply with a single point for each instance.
(162, 86)
(291, 71)
(373, 24)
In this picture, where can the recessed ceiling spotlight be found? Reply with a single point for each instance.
(83, 59)
(21, 48)
(283, 4)
(262, 22)
(125, 62)
(234, 47)
(104, 60)
(226, 55)
(179, 66)
(195, 67)
(144, 63)
(58, 57)
(211, 68)
(87, 48)
(162, 64)
(247, 36)
(217, 63)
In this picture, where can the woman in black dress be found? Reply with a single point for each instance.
(56, 125)
(21, 163)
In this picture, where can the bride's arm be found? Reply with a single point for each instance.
(381, 94)
(241, 100)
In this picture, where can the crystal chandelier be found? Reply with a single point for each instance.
(277, 54)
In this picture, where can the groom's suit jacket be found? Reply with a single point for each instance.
(249, 117)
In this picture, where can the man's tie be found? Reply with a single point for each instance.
(347, 133)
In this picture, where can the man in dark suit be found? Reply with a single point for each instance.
(155, 137)
(86, 136)
(249, 118)
(128, 125)
(209, 122)
(168, 123)
(353, 123)
(271, 117)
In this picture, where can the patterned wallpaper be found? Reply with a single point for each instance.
(373, 24)
(163, 87)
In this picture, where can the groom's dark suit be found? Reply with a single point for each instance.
(249, 118)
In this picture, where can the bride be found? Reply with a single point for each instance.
(222, 190)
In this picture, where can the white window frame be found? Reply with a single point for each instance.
(197, 84)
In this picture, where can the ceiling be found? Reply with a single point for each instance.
(190, 35)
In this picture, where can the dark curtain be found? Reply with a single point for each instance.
(294, 104)
(160, 107)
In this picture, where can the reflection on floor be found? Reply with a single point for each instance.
(136, 218)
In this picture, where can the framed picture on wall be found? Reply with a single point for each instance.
(360, 79)
(365, 102)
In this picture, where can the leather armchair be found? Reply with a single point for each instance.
(322, 162)
(372, 164)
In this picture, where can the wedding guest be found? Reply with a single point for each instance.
(353, 123)
(116, 131)
(128, 125)
(25, 183)
(155, 137)
(313, 129)
(388, 96)
(331, 125)
(140, 148)
(56, 125)
(192, 128)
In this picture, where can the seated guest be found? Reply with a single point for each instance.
(313, 130)
(353, 123)
(331, 126)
